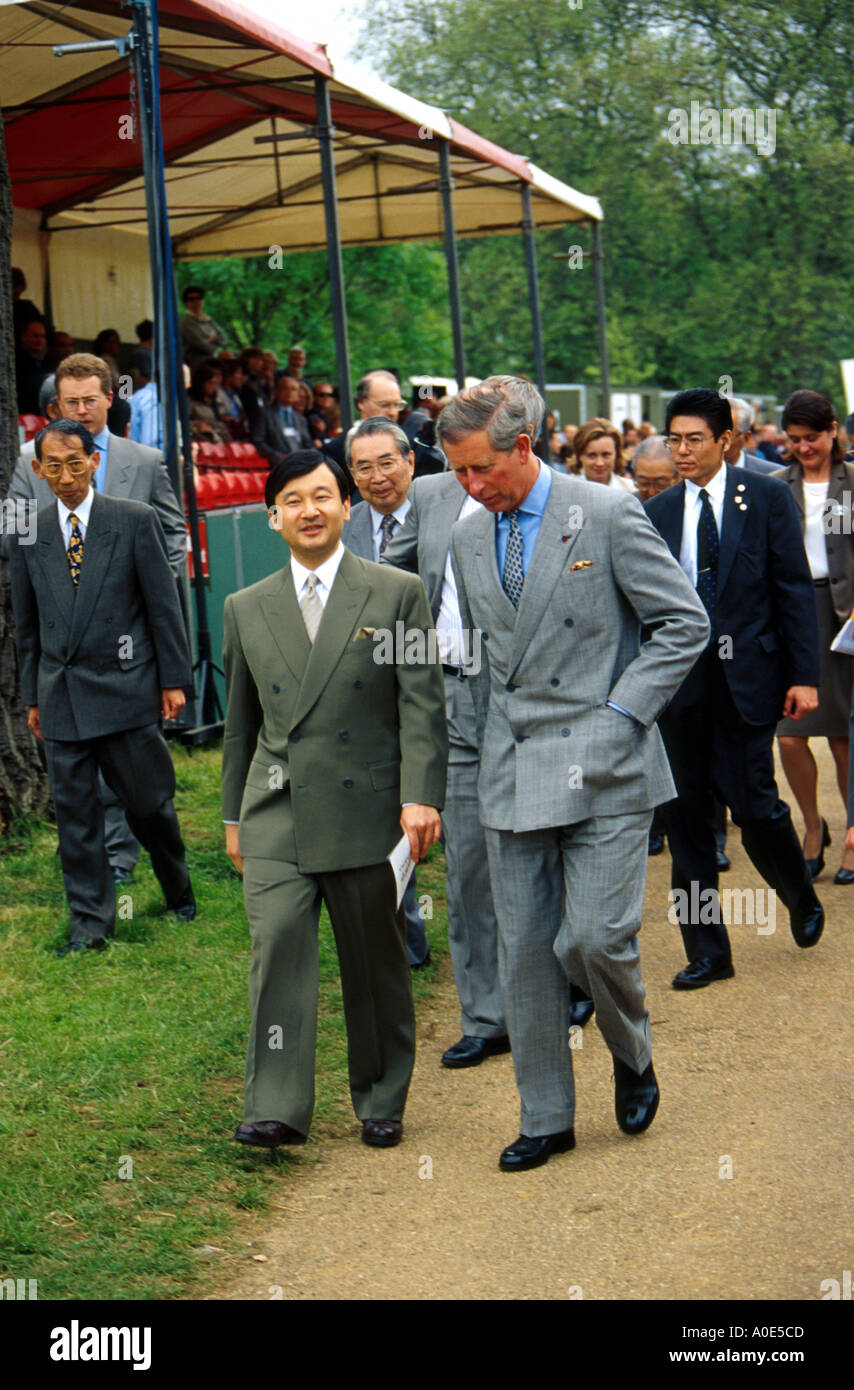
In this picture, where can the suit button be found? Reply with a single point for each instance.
(348, 782)
(357, 685)
(275, 690)
(554, 681)
(569, 622)
(511, 687)
(343, 735)
(295, 738)
(50, 622)
(564, 733)
(68, 665)
(485, 636)
(301, 786)
(520, 738)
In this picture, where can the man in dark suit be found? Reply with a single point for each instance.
(380, 462)
(30, 365)
(312, 809)
(280, 429)
(737, 537)
(125, 470)
(103, 653)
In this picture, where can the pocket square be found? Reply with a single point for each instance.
(363, 633)
(581, 565)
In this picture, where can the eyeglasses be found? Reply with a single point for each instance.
(323, 393)
(87, 402)
(388, 405)
(654, 484)
(53, 470)
(675, 441)
(363, 471)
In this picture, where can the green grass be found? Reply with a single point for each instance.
(131, 1061)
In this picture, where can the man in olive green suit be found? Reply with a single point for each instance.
(335, 742)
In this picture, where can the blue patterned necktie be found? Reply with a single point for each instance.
(388, 526)
(75, 549)
(708, 550)
(514, 573)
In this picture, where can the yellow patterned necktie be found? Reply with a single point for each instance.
(75, 550)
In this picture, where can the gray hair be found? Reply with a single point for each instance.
(653, 447)
(377, 424)
(742, 414)
(504, 406)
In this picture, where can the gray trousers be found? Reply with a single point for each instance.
(569, 902)
(283, 907)
(472, 928)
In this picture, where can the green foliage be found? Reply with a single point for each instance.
(396, 307)
(137, 1053)
(718, 260)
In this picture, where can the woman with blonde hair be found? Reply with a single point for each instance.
(599, 451)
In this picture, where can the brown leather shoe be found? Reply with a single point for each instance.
(383, 1134)
(268, 1134)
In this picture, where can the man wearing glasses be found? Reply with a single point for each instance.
(381, 466)
(737, 536)
(377, 394)
(103, 654)
(653, 468)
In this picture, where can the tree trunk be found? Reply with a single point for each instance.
(23, 783)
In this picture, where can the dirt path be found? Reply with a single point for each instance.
(755, 1075)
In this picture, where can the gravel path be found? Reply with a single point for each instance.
(755, 1075)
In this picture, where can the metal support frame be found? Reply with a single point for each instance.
(326, 141)
(446, 187)
(534, 297)
(599, 276)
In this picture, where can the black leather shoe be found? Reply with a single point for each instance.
(185, 908)
(382, 1134)
(844, 876)
(531, 1153)
(656, 844)
(470, 1052)
(268, 1134)
(636, 1097)
(815, 866)
(721, 861)
(807, 920)
(97, 943)
(420, 964)
(703, 971)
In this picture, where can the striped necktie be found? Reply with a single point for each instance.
(388, 526)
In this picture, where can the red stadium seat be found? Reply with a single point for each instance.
(32, 424)
(206, 451)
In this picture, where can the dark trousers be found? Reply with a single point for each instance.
(715, 755)
(137, 767)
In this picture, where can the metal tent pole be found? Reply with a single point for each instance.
(534, 297)
(326, 141)
(446, 186)
(599, 274)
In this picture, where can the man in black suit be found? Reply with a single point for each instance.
(377, 394)
(103, 653)
(30, 365)
(280, 429)
(737, 536)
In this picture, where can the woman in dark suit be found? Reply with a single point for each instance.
(823, 488)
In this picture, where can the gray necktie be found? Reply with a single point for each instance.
(388, 526)
(311, 607)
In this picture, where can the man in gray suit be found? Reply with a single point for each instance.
(422, 546)
(381, 468)
(103, 653)
(558, 575)
(736, 455)
(126, 470)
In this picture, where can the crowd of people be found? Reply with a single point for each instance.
(623, 622)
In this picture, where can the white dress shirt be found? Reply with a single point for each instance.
(815, 500)
(453, 650)
(324, 573)
(82, 514)
(715, 487)
(377, 521)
